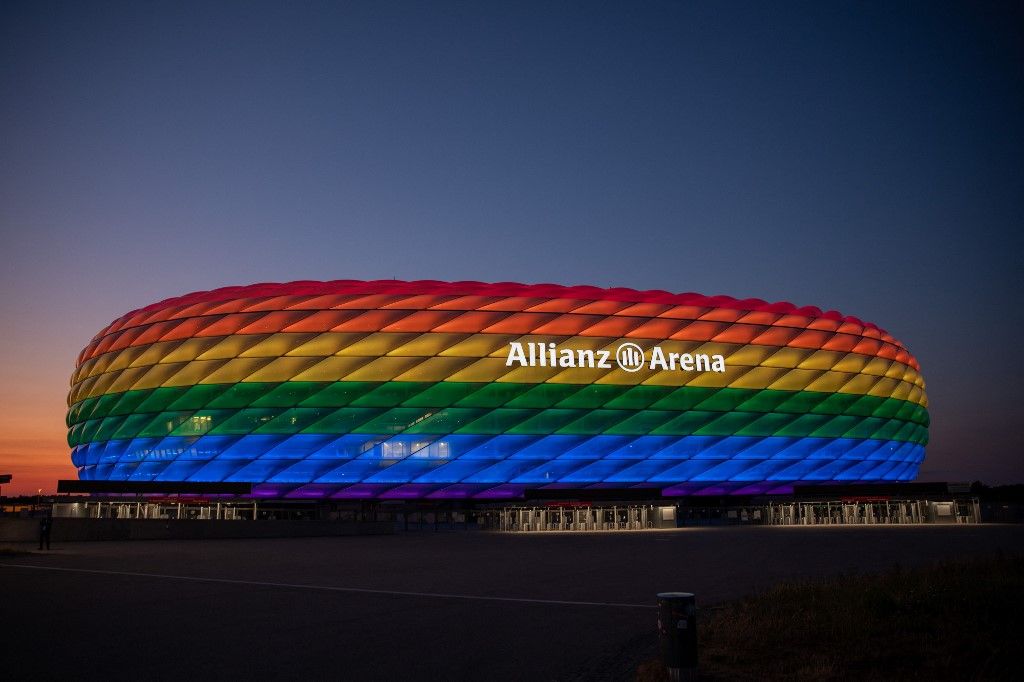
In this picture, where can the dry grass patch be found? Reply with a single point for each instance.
(957, 620)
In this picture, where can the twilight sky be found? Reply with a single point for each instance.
(866, 157)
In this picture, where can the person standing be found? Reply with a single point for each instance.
(45, 525)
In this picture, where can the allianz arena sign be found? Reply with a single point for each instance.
(628, 357)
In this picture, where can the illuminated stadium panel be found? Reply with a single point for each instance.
(391, 389)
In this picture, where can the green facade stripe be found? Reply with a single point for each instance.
(525, 421)
(390, 408)
(482, 395)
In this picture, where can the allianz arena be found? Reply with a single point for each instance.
(391, 389)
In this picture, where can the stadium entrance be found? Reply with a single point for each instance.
(585, 517)
(873, 511)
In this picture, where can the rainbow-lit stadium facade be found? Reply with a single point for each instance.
(391, 389)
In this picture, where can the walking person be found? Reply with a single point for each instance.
(45, 525)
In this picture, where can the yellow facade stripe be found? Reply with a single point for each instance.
(229, 347)
(275, 345)
(479, 370)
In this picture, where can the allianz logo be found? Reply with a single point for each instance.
(628, 356)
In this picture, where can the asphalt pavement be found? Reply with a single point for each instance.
(455, 605)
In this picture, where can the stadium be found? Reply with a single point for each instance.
(466, 390)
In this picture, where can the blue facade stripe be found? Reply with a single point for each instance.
(582, 460)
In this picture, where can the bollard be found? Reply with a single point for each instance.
(677, 632)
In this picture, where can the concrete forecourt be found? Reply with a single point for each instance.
(434, 606)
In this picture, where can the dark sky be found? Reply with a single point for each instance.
(865, 157)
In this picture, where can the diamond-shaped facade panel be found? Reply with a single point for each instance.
(466, 389)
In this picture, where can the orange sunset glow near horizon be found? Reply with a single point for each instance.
(37, 357)
(33, 436)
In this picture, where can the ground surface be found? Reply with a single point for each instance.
(486, 606)
(955, 620)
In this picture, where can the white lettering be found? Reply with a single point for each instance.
(516, 354)
(533, 354)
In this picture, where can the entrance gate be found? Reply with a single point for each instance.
(578, 518)
(871, 512)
